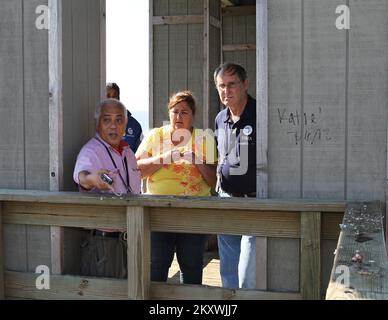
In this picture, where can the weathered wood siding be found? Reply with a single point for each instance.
(327, 104)
(24, 134)
(82, 76)
(24, 120)
(179, 53)
(241, 30)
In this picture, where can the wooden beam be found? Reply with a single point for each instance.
(196, 292)
(139, 253)
(168, 20)
(238, 47)
(42, 214)
(1, 256)
(310, 251)
(19, 285)
(262, 98)
(76, 199)
(263, 224)
(261, 263)
(239, 11)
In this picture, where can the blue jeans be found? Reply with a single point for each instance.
(189, 251)
(237, 260)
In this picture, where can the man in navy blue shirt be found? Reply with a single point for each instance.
(236, 171)
(133, 132)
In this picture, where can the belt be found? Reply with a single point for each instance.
(244, 195)
(105, 234)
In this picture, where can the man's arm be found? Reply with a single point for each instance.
(89, 181)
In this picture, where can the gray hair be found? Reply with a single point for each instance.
(112, 102)
(231, 68)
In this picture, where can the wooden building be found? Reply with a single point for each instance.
(321, 89)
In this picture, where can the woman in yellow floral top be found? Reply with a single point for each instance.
(178, 160)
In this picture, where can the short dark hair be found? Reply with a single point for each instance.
(182, 96)
(114, 86)
(231, 68)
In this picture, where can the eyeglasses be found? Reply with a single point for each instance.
(181, 113)
(230, 85)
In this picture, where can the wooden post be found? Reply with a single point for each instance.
(310, 251)
(262, 131)
(56, 124)
(139, 253)
(206, 63)
(2, 284)
(262, 98)
(261, 263)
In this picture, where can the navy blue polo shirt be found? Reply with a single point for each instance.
(133, 133)
(236, 145)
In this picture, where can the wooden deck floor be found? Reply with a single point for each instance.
(211, 271)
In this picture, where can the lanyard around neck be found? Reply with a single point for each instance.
(127, 185)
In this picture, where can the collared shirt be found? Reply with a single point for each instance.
(133, 132)
(236, 145)
(94, 156)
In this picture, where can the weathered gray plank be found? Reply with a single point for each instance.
(367, 110)
(161, 74)
(139, 253)
(324, 112)
(284, 97)
(214, 62)
(195, 292)
(12, 132)
(15, 246)
(310, 255)
(178, 63)
(283, 264)
(22, 286)
(38, 247)
(76, 116)
(195, 68)
(36, 106)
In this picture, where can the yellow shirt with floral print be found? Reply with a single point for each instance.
(180, 178)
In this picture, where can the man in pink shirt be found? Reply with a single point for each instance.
(106, 164)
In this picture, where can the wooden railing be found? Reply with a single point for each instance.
(360, 269)
(309, 221)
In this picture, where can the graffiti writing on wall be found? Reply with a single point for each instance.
(304, 126)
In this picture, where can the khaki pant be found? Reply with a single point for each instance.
(104, 257)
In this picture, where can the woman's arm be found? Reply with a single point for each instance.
(149, 165)
(208, 171)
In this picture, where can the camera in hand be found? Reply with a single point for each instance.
(106, 178)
